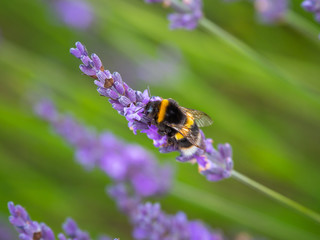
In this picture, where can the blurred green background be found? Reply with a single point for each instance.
(272, 124)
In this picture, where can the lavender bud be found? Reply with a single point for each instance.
(75, 52)
(96, 60)
(117, 77)
(87, 70)
(119, 87)
(101, 76)
(86, 61)
(124, 101)
(82, 48)
(112, 94)
(131, 95)
(101, 90)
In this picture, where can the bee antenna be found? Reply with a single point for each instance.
(138, 109)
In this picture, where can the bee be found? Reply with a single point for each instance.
(180, 124)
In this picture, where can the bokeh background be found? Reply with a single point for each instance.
(271, 123)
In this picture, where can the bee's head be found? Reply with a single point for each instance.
(152, 108)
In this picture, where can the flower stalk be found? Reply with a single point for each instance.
(276, 196)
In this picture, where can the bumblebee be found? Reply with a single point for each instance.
(180, 124)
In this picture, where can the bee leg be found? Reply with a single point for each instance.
(162, 129)
(172, 141)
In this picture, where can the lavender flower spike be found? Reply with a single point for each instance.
(28, 229)
(32, 230)
(150, 222)
(130, 103)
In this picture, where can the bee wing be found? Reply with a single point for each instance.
(201, 118)
(190, 137)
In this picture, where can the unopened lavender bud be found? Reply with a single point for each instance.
(117, 77)
(81, 48)
(108, 74)
(101, 76)
(96, 60)
(101, 90)
(131, 95)
(87, 70)
(117, 106)
(124, 101)
(86, 61)
(75, 52)
(119, 87)
(113, 94)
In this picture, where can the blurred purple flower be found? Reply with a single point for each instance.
(131, 103)
(165, 69)
(150, 222)
(187, 14)
(75, 13)
(6, 232)
(124, 163)
(270, 11)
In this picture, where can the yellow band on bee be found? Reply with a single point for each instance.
(185, 129)
(162, 111)
(178, 136)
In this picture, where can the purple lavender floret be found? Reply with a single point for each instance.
(150, 222)
(270, 11)
(122, 162)
(131, 103)
(187, 14)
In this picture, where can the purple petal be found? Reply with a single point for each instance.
(87, 70)
(96, 60)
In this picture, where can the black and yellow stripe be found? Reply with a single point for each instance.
(162, 110)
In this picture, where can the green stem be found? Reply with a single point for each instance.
(277, 196)
(303, 26)
(250, 53)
